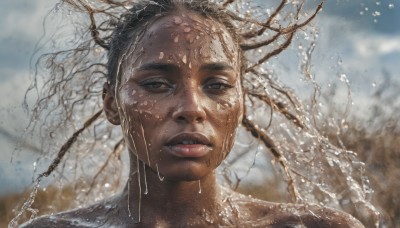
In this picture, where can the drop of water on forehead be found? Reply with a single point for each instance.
(177, 20)
(161, 55)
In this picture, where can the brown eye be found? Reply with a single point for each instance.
(156, 85)
(217, 86)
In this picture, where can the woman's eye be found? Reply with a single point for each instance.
(156, 85)
(218, 86)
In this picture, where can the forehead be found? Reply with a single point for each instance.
(186, 34)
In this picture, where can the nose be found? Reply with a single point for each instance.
(189, 107)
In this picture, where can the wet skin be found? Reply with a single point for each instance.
(180, 85)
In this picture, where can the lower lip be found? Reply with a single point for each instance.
(189, 150)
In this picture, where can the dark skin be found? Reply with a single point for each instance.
(179, 102)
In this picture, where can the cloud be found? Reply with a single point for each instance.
(377, 45)
(21, 27)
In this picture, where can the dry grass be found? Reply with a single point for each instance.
(48, 201)
(381, 154)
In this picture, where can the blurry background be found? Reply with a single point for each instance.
(359, 41)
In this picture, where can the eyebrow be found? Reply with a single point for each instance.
(159, 67)
(168, 67)
(219, 66)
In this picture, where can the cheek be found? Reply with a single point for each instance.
(232, 113)
(229, 112)
(138, 105)
(233, 106)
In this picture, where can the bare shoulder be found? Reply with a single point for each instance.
(260, 213)
(92, 216)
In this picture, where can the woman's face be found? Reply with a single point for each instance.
(179, 97)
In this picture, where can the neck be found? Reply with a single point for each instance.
(148, 196)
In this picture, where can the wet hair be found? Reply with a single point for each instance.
(133, 24)
(121, 22)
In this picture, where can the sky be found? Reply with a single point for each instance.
(357, 38)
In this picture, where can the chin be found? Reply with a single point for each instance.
(186, 173)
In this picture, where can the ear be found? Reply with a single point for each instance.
(110, 106)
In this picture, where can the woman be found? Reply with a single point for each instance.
(175, 85)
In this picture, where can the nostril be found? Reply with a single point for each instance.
(181, 118)
(200, 119)
(189, 116)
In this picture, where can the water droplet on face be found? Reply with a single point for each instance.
(161, 55)
(177, 20)
(184, 59)
(186, 29)
(176, 39)
(158, 173)
(199, 187)
(133, 92)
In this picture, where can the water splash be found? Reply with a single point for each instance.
(291, 140)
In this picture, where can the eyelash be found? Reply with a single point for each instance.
(224, 86)
(156, 84)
